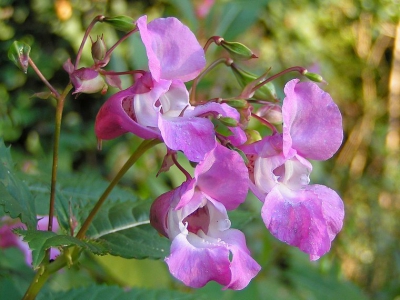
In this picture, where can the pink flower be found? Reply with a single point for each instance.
(9, 239)
(194, 217)
(157, 105)
(299, 214)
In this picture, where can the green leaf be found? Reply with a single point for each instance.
(16, 199)
(118, 216)
(40, 241)
(239, 218)
(138, 242)
(75, 196)
(19, 55)
(95, 292)
(15, 274)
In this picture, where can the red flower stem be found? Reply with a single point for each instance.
(192, 95)
(265, 122)
(96, 19)
(103, 72)
(108, 53)
(214, 39)
(178, 165)
(37, 71)
(301, 70)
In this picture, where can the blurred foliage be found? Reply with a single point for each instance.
(354, 45)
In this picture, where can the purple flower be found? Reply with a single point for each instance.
(299, 214)
(9, 239)
(157, 105)
(194, 217)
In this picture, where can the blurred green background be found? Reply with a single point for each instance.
(354, 45)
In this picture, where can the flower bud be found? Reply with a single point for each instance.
(267, 91)
(99, 50)
(272, 113)
(87, 81)
(19, 55)
(237, 50)
(122, 23)
(313, 76)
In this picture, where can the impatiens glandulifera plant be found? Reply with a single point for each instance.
(229, 158)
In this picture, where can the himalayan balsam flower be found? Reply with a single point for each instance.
(299, 214)
(9, 239)
(194, 217)
(157, 105)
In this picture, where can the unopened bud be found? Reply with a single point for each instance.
(19, 55)
(313, 76)
(237, 50)
(99, 50)
(122, 23)
(230, 122)
(271, 112)
(87, 81)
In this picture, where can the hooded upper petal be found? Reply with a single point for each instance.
(172, 49)
(308, 218)
(118, 116)
(312, 123)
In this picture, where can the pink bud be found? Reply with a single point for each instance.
(87, 81)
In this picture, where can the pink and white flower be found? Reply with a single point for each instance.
(299, 214)
(194, 217)
(157, 105)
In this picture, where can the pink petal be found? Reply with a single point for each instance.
(243, 267)
(196, 266)
(308, 219)
(223, 176)
(113, 120)
(172, 49)
(193, 136)
(312, 123)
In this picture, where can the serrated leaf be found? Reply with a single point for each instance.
(40, 241)
(138, 242)
(96, 292)
(118, 216)
(16, 198)
(76, 195)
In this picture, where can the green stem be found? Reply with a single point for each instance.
(44, 273)
(70, 255)
(192, 94)
(144, 146)
(57, 130)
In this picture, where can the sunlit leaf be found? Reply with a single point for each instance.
(137, 242)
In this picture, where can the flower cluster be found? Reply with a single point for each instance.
(274, 167)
